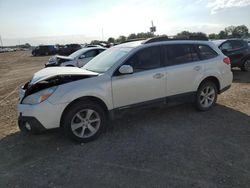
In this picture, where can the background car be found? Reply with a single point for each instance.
(76, 59)
(237, 50)
(44, 50)
(68, 49)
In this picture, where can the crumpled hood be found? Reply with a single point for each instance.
(59, 71)
(64, 57)
(56, 58)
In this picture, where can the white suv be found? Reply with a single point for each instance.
(81, 100)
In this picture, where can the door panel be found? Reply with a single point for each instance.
(183, 68)
(138, 87)
(181, 78)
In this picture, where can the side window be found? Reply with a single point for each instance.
(206, 52)
(180, 54)
(226, 46)
(100, 51)
(146, 59)
(91, 53)
(237, 44)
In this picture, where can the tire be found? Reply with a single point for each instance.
(25, 130)
(206, 96)
(46, 53)
(77, 123)
(246, 66)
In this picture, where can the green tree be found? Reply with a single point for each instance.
(184, 34)
(121, 39)
(213, 36)
(240, 31)
(132, 36)
(229, 31)
(222, 35)
(95, 42)
(111, 40)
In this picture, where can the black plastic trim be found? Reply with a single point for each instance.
(225, 89)
(34, 123)
(173, 100)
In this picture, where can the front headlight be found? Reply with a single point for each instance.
(39, 97)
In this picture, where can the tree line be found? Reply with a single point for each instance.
(240, 31)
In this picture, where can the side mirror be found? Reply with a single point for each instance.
(126, 69)
(82, 57)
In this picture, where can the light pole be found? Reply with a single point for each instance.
(1, 41)
(152, 28)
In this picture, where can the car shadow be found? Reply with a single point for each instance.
(146, 147)
(240, 76)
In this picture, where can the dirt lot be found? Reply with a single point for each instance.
(171, 147)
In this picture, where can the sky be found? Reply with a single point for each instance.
(80, 21)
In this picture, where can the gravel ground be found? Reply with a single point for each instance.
(171, 147)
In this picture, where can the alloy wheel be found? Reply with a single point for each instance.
(247, 65)
(207, 97)
(85, 123)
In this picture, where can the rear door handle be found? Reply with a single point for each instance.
(158, 76)
(197, 68)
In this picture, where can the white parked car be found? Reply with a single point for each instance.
(76, 59)
(134, 74)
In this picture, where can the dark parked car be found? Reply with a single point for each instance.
(237, 50)
(69, 49)
(44, 50)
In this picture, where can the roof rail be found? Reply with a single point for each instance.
(133, 40)
(172, 38)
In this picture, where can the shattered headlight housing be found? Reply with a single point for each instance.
(39, 96)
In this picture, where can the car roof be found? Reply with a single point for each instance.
(219, 42)
(135, 44)
(91, 48)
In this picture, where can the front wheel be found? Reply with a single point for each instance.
(246, 66)
(206, 96)
(84, 121)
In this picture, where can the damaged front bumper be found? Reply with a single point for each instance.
(47, 114)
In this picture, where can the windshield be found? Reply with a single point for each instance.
(77, 53)
(106, 59)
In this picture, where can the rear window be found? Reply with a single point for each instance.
(180, 54)
(206, 52)
(237, 44)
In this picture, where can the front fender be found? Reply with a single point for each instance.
(99, 87)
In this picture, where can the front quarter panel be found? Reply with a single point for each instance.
(99, 86)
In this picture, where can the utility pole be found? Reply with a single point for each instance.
(1, 41)
(102, 35)
(152, 28)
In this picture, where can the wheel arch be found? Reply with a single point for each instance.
(247, 57)
(213, 79)
(93, 99)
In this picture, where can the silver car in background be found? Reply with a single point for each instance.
(76, 59)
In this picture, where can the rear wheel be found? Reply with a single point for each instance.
(206, 96)
(246, 66)
(84, 121)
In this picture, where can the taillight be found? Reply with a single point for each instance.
(227, 60)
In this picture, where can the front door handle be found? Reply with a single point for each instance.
(197, 68)
(158, 76)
